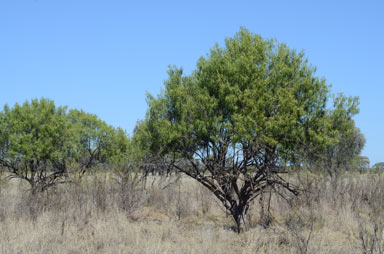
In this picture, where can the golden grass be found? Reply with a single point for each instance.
(339, 216)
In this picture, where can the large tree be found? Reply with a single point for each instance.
(245, 115)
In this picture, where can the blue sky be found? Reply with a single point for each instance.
(103, 56)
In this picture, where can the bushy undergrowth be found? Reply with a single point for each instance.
(110, 213)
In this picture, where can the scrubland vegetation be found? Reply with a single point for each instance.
(251, 153)
(177, 215)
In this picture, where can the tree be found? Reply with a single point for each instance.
(151, 163)
(245, 113)
(35, 143)
(361, 163)
(345, 140)
(378, 167)
(40, 142)
(95, 142)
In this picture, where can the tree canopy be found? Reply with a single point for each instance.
(345, 141)
(95, 142)
(378, 167)
(39, 142)
(36, 141)
(248, 111)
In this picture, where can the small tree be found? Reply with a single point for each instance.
(245, 114)
(361, 163)
(35, 143)
(378, 167)
(345, 140)
(39, 142)
(95, 142)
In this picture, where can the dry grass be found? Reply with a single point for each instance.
(104, 215)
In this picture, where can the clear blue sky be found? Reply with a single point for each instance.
(102, 56)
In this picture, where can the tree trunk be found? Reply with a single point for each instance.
(238, 214)
(33, 184)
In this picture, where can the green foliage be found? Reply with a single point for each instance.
(141, 141)
(361, 163)
(40, 142)
(253, 93)
(378, 167)
(248, 111)
(345, 141)
(95, 142)
(35, 142)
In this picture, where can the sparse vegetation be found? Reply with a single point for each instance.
(180, 216)
(245, 144)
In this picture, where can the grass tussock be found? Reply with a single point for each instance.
(107, 213)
